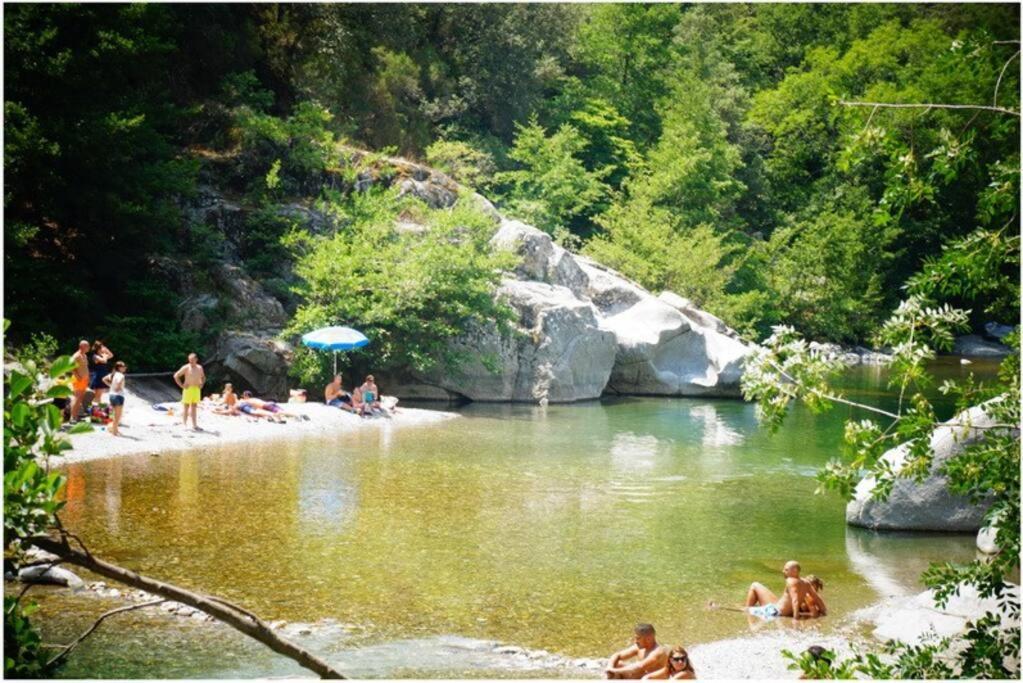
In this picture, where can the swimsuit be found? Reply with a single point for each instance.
(117, 389)
(765, 611)
(191, 395)
(368, 397)
(80, 383)
(245, 408)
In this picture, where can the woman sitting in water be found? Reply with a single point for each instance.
(809, 606)
(678, 666)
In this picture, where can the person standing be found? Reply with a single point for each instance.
(98, 359)
(115, 381)
(190, 377)
(79, 378)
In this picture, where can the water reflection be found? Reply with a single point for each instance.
(327, 496)
(891, 562)
(715, 430)
(552, 528)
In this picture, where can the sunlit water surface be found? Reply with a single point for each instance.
(554, 528)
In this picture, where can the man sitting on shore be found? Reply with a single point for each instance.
(649, 655)
(334, 394)
(761, 602)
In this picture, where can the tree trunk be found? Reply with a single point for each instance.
(232, 615)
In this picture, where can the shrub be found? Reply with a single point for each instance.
(410, 292)
(462, 162)
(552, 186)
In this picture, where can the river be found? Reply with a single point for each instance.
(555, 528)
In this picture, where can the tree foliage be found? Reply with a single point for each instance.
(410, 286)
(784, 369)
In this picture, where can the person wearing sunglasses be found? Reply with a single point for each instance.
(678, 666)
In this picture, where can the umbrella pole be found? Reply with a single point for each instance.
(335, 363)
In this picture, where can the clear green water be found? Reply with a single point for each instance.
(554, 528)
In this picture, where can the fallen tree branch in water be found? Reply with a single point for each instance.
(218, 608)
(78, 641)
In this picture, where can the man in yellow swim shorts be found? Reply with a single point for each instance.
(190, 377)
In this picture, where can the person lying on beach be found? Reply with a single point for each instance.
(271, 407)
(762, 602)
(334, 394)
(297, 396)
(253, 407)
(678, 667)
(648, 654)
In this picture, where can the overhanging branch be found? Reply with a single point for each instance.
(67, 649)
(236, 617)
(925, 105)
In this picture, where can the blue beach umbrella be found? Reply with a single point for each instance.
(336, 338)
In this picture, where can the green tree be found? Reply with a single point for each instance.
(551, 187)
(625, 52)
(409, 290)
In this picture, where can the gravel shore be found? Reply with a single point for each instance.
(147, 431)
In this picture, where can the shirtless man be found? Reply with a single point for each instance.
(79, 378)
(761, 602)
(334, 394)
(190, 377)
(261, 408)
(650, 656)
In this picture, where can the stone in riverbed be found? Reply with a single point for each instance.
(45, 574)
(978, 347)
(997, 330)
(925, 506)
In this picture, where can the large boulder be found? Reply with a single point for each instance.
(557, 352)
(976, 346)
(926, 505)
(663, 345)
(666, 346)
(997, 331)
(48, 574)
(251, 360)
(661, 352)
(541, 259)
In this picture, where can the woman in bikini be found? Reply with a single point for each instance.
(678, 666)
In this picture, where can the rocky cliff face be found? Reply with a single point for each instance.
(582, 329)
(585, 330)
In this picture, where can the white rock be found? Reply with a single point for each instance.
(46, 574)
(912, 620)
(987, 539)
(557, 352)
(925, 506)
